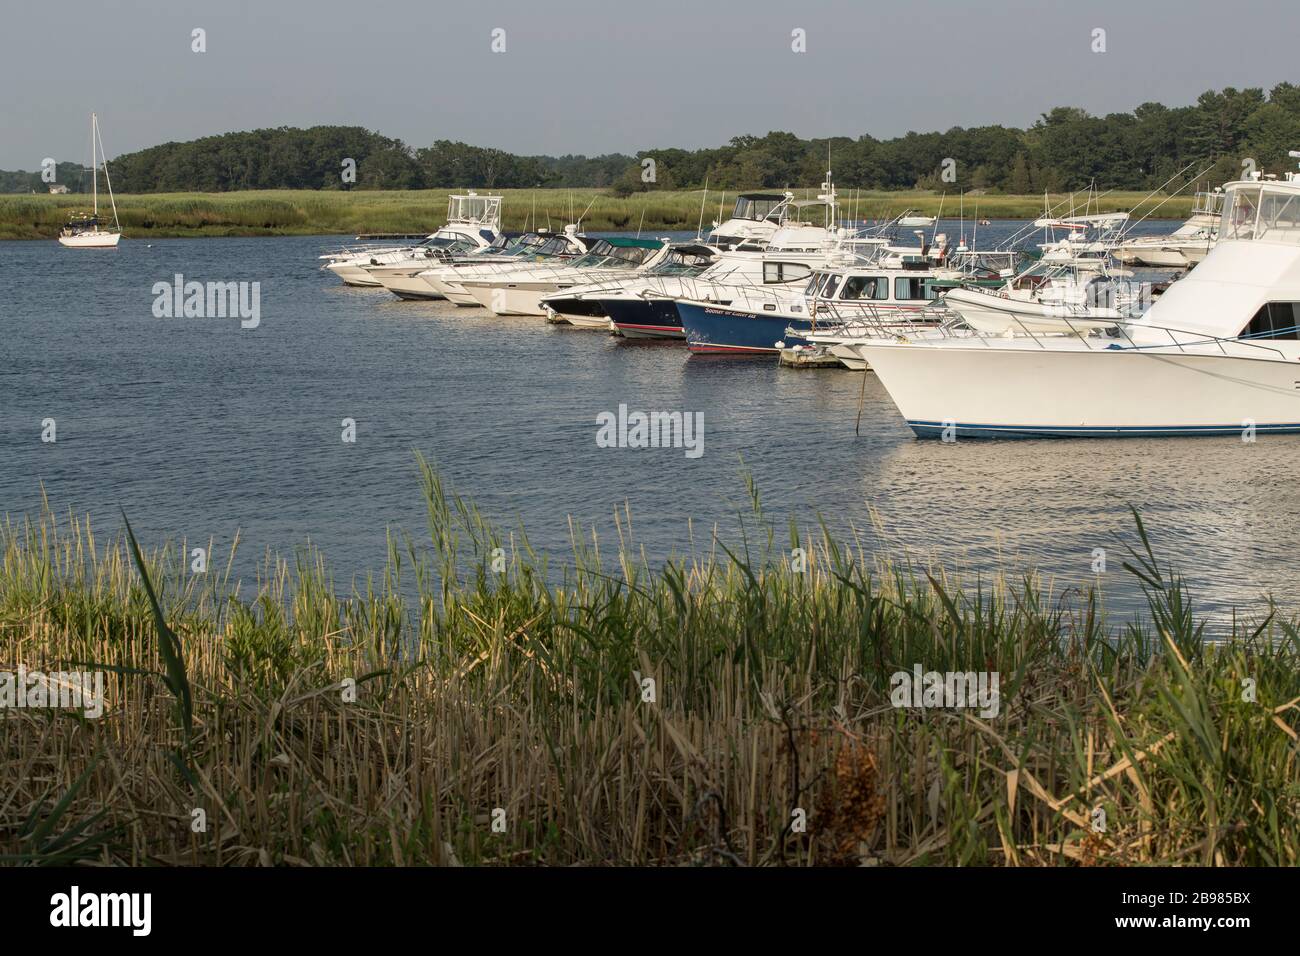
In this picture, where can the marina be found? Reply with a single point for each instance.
(232, 418)
(629, 440)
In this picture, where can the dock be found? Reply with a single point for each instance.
(805, 356)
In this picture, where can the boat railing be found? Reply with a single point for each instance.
(868, 321)
(1181, 339)
(863, 318)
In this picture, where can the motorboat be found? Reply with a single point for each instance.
(754, 219)
(757, 321)
(1216, 354)
(520, 291)
(84, 231)
(587, 306)
(445, 280)
(1185, 246)
(509, 249)
(473, 222)
(1082, 239)
(1084, 291)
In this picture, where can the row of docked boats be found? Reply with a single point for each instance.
(1061, 339)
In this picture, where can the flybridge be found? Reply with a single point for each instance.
(473, 209)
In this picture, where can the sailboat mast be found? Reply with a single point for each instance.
(94, 169)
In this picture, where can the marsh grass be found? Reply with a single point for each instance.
(477, 691)
(282, 212)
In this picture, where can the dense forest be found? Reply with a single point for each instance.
(1066, 149)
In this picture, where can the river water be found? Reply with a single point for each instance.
(199, 428)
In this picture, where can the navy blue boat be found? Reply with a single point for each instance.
(649, 318)
(712, 329)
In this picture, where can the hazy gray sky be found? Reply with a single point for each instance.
(593, 76)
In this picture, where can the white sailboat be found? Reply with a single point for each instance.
(83, 232)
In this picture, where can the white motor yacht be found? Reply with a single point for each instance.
(473, 222)
(1216, 354)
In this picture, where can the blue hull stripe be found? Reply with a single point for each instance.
(926, 429)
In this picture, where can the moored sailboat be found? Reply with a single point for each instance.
(84, 232)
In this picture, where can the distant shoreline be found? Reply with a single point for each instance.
(302, 212)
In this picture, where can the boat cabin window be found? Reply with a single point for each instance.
(1274, 320)
(875, 288)
(913, 287)
(1263, 213)
(832, 283)
(774, 272)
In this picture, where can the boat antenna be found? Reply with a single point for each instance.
(1170, 196)
(699, 230)
(641, 223)
(587, 210)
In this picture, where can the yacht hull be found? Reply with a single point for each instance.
(651, 318)
(409, 287)
(990, 392)
(714, 330)
(584, 313)
(353, 274)
(512, 299)
(91, 240)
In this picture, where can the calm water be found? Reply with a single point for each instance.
(199, 429)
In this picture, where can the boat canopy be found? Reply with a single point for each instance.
(628, 241)
(1266, 211)
(757, 207)
(474, 208)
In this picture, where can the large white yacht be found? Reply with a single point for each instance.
(473, 222)
(1216, 354)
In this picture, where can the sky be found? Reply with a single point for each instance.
(578, 76)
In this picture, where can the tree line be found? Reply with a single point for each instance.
(1065, 149)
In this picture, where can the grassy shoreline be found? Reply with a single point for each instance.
(493, 698)
(307, 212)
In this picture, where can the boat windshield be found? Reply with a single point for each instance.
(1260, 212)
(554, 246)
(680, 263)
(604, 255)
(756, 208)
(525, 245)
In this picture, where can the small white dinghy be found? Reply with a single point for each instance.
(83, 232)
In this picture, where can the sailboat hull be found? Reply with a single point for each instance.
(91, 240)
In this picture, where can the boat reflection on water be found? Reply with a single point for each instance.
(1214, 510)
